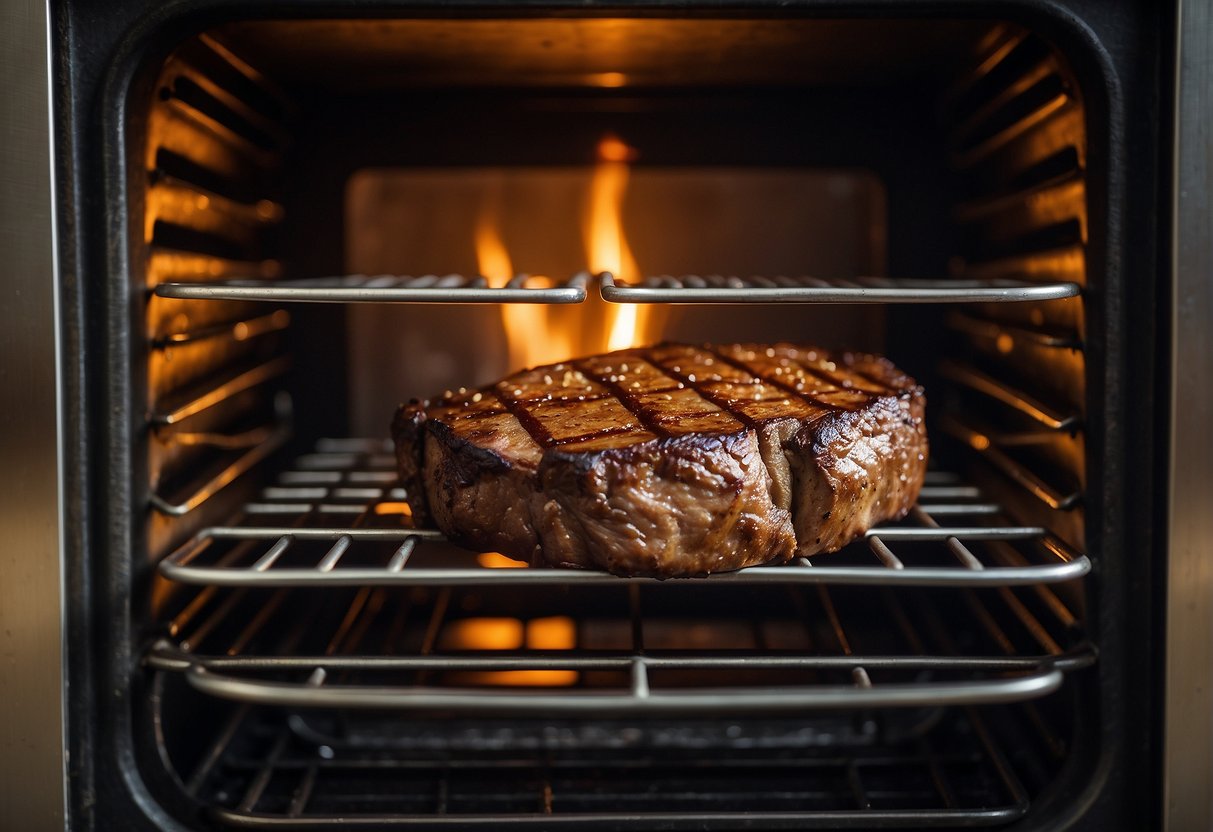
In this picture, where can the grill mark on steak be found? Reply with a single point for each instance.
(721, 401)
(540, 435)
(777, 381)
(586, 437)
(625, 397)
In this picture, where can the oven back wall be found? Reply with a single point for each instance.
(558, 221)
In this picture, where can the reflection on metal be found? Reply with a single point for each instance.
(1188, 700)
(211, 209)
(568, 702)
(987, 329)
(257, 445)
(1019, 145)
(244, 330)
(231, 644)
(360, 288)
(783, 289)
(992, 449)
(222, 392)
(32, 684)
(1004, 393)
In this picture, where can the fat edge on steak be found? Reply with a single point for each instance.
(669, 461)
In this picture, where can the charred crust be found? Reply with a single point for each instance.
(470, 460)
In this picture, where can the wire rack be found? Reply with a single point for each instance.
(783, 289)
(360, 288)
(672, 648)
(262, 772)
(455, 288)
(338, 518)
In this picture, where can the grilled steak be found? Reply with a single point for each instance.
(671, 460)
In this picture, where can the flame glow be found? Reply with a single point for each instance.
(530, 334)
(606, 245)
(496, 560)
(488, 634)
(537, 334)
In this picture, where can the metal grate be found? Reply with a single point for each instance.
(360, 288)
(262, 771)
(783, 289)
(455, 288)
(337, 518)
(671, 648)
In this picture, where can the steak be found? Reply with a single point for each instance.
(671, 460)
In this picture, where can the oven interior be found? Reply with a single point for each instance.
(310, 661)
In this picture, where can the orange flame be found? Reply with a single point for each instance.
(531, 337)
(537, 334)
(606, 244)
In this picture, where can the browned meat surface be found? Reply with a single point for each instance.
(671, 460)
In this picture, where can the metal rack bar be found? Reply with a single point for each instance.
(1030, 481)
(164, 656)
(718, 289)
(352, 477)
(276, 437)
(382, 289)
(216, 394)
(972, 324)
(1007, 395)
(357, 671)
(1001, 690)
(243, 330)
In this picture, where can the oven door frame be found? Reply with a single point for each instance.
(99, 52)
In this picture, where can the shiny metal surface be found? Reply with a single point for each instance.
(269, 439)
(639, 701)
(350, 651)
(782, 289)
(361, 288)
(32, 775)
(1188, 702)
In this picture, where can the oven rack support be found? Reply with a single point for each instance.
(691, 289)
(343, 505)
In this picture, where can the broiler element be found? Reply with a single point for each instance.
(669, 461)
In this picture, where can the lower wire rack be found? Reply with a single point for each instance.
(629, 649)
(266, 769)
(338, 518)
(371, 675)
